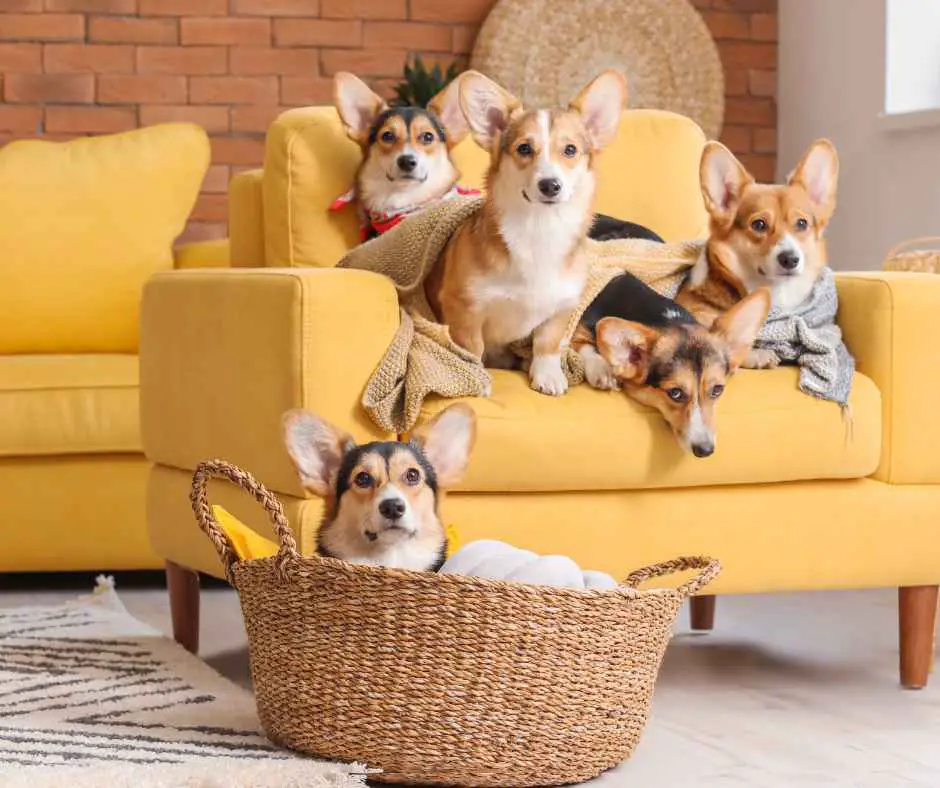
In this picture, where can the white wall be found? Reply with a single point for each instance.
(832, 84)
(913, 55)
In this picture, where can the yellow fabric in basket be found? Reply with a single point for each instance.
(249, 544)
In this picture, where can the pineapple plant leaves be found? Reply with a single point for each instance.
(419, 85)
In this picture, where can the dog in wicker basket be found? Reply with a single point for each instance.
(382, 499)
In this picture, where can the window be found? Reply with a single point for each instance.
(912, 68)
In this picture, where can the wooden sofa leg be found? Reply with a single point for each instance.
(917, 617)
(183, 586)
(702, 613)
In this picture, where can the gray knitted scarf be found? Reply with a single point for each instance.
(808, 336)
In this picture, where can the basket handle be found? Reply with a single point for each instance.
(710, 567)
(927, 239)
(220, 469)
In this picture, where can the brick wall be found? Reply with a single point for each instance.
(73, 67)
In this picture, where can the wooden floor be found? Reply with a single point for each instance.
(789, 690)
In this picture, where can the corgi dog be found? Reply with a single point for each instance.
(517, 267)
(382, 499)
(406, 153)
(761, 235)
(632, 337)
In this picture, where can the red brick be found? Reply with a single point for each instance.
(132, 31)
(255, 119)
(49, 88)
(93, 6)
(264, 60)
(212, 119)
(408, 35)
(277, 7)
(239, 150)
(90, 120)
(702, 3)
(723, 24)
(768, 6)
(183, 7)
(750, 112)
(746, 54)
(764, 27)
(20, 58)
(761, 166)
(42, 27)
(318, 32)
(363, 9)
(297, 91)
(196, 30)
(22, 120)
(203, 231)
(216, 180)
(737, 138)
(364, 62)
(466, 11)
(464, 36)
(736, 82)
(233, 90)
(88, 58)
(763, 83)
(182, 60)
(141, 89)
(385, 87)
(765, 140)
(211, 207)
(30, 6)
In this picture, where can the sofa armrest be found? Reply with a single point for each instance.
(891, 322)
(246, 219)
(202, 254)
(224, 353)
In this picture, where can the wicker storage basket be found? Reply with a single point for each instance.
(443, 679)
(913, 256)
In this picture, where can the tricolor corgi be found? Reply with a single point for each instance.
(761, 235)
(406, 161)
(518, 266)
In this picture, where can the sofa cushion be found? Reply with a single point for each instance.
(767, 431)
(82, 226)
(68, 405)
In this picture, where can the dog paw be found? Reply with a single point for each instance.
(547, 376)
(599, 374)
(761, 358)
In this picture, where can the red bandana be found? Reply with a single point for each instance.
(381, 222)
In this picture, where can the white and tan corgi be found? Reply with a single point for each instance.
(761, 235)
(518, 267)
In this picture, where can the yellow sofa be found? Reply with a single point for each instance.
(82, 226)
(796, 496)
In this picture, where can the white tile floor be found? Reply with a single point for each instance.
(789, 690)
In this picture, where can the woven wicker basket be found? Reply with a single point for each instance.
(911, 256)
(443, 679)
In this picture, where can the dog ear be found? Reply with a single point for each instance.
(486, 106)
(447, 440)
(357, 105)
(626, 347)
(601, 105)
(446, 106)
(723, 179)
(818, 173)
(740, 325)
(317, 449)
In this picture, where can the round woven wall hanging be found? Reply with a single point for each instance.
(545, 51)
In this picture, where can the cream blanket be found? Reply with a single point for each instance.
(423, 359)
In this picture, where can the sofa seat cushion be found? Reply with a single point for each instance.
(767, 431)
(68, 405)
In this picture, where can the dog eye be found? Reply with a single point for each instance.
(363, 480)
(388, 136)
(427, 138)
(716, 391)
(571, 151)
(801, 224)
(676, 394)
(759, 226)
(524, 149)
(412, 476)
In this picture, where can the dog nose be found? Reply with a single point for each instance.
(392, 508)
(703, 449)
(788, 260)
(550, 186)
(407, 162)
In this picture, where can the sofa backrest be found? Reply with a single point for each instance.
(649, 175)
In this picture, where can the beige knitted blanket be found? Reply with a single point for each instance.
(423, 359)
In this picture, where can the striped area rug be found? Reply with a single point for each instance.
(90, 696)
